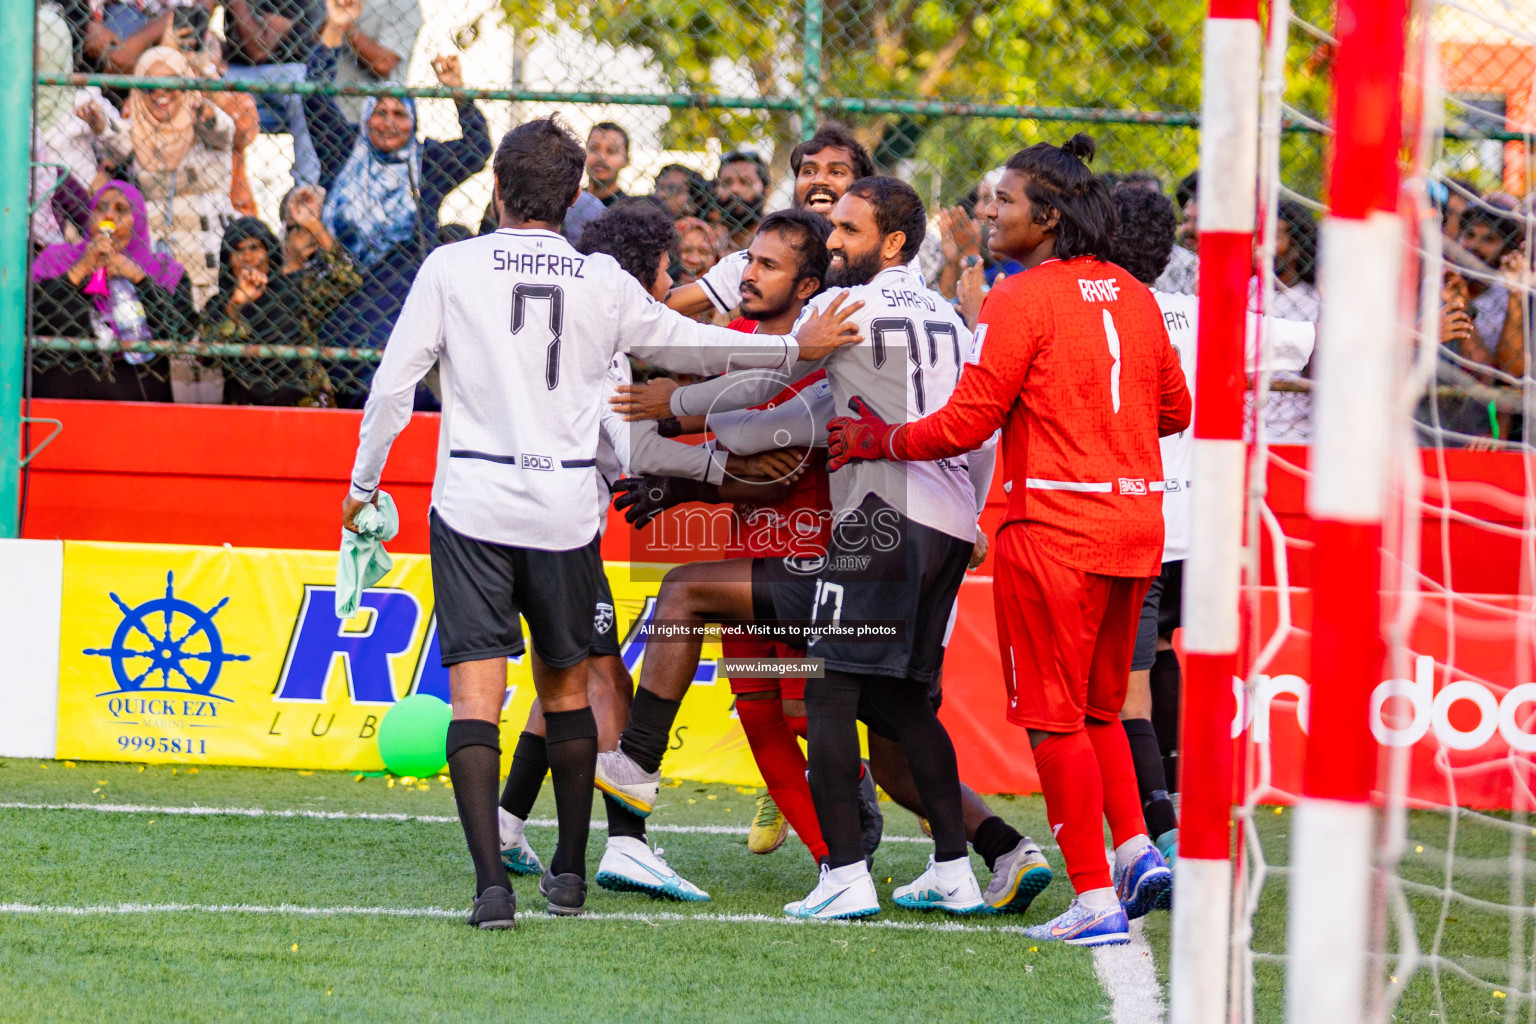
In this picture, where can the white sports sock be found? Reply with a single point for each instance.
(1131, 849)
(953, 872)
(848, 873)
(1098, 899)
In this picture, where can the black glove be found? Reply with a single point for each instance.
(643, 498)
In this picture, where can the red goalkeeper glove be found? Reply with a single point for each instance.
(866, 438)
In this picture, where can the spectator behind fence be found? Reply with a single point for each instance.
(378, 48)
(741, 191)
(677, 190)
(178, 145)
(1460, 194)
(607, 155)
(384, 186)
(1296, 295)
(321, 271)
(1183, 270)
(696, 251)
(267, 42)
(1494, 238)
(253, 308)
(114, 288)
(110, 35)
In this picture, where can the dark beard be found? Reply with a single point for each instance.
(739, 214)
(855, 272)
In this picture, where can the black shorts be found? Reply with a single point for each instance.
(1159, 614)
(605, 621)
(903, 574)
(481, 588)
(884, 727)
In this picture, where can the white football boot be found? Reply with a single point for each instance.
(629, 865)
(950, 886)
(848, 891)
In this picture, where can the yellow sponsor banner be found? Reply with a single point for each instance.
(231, 655)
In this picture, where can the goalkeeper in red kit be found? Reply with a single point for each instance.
(1072, 361)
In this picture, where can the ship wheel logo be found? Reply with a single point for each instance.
(170, 638)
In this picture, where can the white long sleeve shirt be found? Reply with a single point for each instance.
(524, 329)
(907, 366)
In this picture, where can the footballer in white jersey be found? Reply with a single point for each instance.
(524, 328)
(900, 545)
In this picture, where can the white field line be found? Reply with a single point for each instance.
(1129, 976)
(439, 819)
(526, 916)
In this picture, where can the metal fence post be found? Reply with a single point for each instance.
(15, 178)
(810, 90)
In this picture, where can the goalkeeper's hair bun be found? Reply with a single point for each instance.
(1081, 146)
(1057, 178)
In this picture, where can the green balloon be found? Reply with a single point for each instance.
(413, 737)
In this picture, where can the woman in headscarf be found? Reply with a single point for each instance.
(384, 187)
(179, 145)
(115, 288)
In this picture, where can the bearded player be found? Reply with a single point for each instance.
(1073, 362)
(902, 540)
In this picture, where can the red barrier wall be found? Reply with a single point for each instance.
(276, 478)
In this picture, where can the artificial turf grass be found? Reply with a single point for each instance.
(431, 867)
(197, 965)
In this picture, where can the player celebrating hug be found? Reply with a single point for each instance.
(1072, 360)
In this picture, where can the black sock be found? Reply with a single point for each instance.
(530, 763)
(1156, 807)
(571, 739)
(994, 838)
(832, 709)
(930, 754)
(650, 727)
(474, 761)
(624, 822)
(1165, 713)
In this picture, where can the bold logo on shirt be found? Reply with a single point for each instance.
(542, 463)
(1136, 487)
(1098, 291)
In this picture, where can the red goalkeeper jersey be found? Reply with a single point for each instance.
(800, 523)
(1072, 360)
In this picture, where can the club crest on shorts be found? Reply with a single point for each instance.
(602, 617)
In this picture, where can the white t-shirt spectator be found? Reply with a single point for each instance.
(394, 25)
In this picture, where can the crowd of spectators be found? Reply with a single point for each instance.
(145, 226)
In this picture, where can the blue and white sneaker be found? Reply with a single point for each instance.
(1079, 926)
(516, 854)
(960, 894)
(1017, 878)
(847, 892)
(629, 865)
(1142, 883)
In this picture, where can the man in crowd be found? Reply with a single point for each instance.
(378, 48)
(607, 155)
(741, 190)
(269, 41)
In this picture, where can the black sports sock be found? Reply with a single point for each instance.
(571, 739)
(1166, 682)
(1156, 807)
(474, 761)
(832, 741)
(650, 726)
(930, 753)
(624, 822)
(995, 837)
(530, 763)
